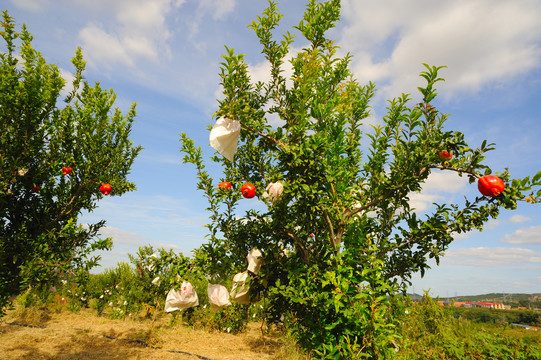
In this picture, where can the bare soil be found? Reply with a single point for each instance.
(63, 335)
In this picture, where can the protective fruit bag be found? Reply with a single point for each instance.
(218, 296)
(255, 258)
(240, 290)
(224, 137)
(181, 299)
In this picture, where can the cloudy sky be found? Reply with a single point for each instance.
(164, 55)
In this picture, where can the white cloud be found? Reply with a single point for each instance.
(103, 48)
(31, 5)
(140, 46)
(492, 224)
(130, 31)
(167, 246)
(421, 202)
(261, 71)
(481, 41)
(438, 183)
(153, 42)
(489, 225)
(464, 235)
(217, 9)
(68, 78)
(446, 182)
(530, 235)
(155, 219)
(125, 243)
(121, 236)
(517, 219)
(142, 15)
(492, 257)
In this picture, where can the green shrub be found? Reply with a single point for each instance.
(431, 331)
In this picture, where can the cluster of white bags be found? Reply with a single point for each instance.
(241, 288)
(218, 295)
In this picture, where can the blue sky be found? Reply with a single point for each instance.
(164, 55)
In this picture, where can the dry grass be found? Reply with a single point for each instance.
(79, 336)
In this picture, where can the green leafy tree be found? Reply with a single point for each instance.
(342, 236)
(40, 237)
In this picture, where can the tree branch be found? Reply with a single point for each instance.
(454, 169)
(300, 245)
(331, 229)
(266, 136)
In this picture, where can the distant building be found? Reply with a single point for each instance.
(468, 304)
(490, 305)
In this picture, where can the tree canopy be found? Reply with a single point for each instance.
(54, 157)
(342, 235)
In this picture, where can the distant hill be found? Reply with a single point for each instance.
(495, 297)
(415, 297)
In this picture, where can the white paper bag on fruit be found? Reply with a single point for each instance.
(255, 258)
(224, 137)
(240, 290)
(153, 258)
(273, 191)
(218, 296)
(181, 299)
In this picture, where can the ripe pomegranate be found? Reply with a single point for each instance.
(106, 189)
(248, 190)
(490, 185)
(224, 185)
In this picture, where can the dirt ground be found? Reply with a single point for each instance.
(66, 335)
